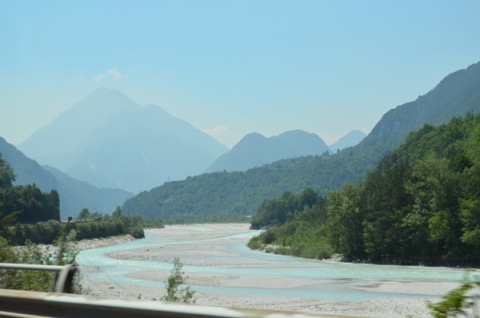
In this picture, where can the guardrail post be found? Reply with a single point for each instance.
(64, 279)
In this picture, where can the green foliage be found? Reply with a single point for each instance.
(345, 221)
(460, 302)
(419, 205)
(48, 232)
(297, 226)
(278, 211)
(174, 292)
(25, 204)
(32, 280)
(234, 196)
(7, 175)
(7, 255)
(31, 254)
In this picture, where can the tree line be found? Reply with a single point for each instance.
(420, 204)
(29, 215)
(25, 204)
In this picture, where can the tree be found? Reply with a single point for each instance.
(84, 214)
(345, 221)
(175, 280)
(117, 213)
(7, 175)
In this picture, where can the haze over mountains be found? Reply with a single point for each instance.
(239, 194)
(110, 141)
(255, 150)
(107, 143)
(351, 139)
(74, 195)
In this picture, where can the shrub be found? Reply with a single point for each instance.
(176, 279)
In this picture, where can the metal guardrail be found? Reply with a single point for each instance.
(63, 278)
(38, 304)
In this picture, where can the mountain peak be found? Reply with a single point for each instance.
(110, 141)
(53, 144)
(255, 150)
(105, 98)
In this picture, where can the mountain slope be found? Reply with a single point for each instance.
(255, 150)
(74, 195)
(456, 95)
(58, 143)
(141, 149)
(110, 141)
(351, 139)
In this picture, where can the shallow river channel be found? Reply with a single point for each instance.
(217, 261)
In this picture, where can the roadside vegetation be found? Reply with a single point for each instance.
(47, 232)
(38, 280)
(463, 301)
(29, 217)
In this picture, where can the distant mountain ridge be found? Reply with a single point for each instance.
(108, 140)
(74, 195)
(255, 150)
(351, 139)
(239, 194)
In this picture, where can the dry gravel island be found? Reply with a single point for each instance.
(210, 248)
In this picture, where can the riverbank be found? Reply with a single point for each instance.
(209, 251)
(49, 249)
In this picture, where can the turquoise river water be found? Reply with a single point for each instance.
(338, 279)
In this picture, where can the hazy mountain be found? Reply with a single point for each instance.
(110, 141)
(255, 150)
(27, 171)
(237, 194)
(59, 143)
(74, 195)
(349, 140)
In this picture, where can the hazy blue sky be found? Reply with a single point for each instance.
(232, 67)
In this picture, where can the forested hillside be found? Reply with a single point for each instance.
(420, 205)
(224, 196)
(236, 195)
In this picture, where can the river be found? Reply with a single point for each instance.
(219, 264)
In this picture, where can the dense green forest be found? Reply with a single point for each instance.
(227, 196)
(421, 204)
(296, 225)
(233, 196)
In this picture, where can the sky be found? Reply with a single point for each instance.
(232, 67)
